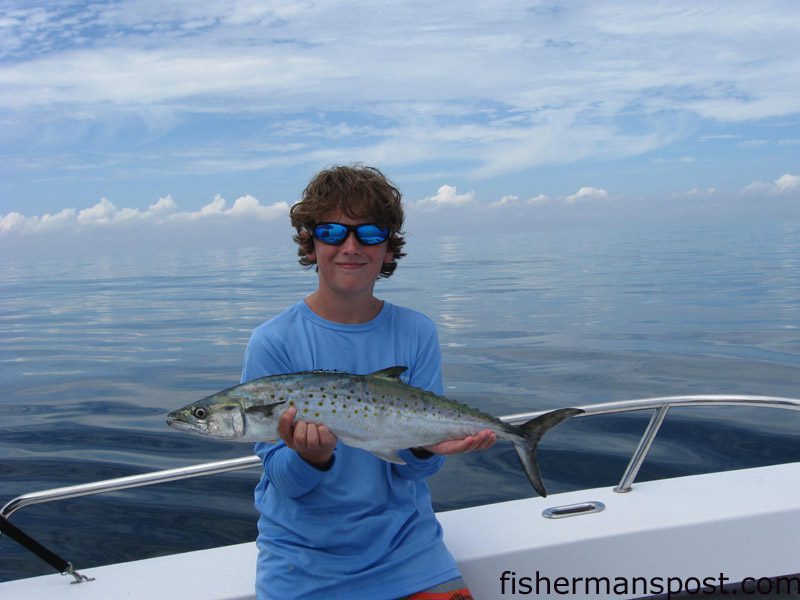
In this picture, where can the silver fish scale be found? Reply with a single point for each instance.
(369, 411)
(362, 407)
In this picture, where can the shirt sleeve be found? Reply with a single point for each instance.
(417, 469)
(287, 471)
(283, 467)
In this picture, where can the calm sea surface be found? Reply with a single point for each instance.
(95, 352)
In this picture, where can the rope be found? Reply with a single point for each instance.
(48, 556)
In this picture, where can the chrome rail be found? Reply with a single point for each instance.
(659, 405)
(131, 481)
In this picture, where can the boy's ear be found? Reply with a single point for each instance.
(388, 257)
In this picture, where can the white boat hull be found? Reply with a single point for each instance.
(693, 530)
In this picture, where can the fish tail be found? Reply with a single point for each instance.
(532, 431)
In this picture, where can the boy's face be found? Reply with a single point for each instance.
(351, 267)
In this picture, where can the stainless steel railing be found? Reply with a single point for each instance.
(660, 406)
(131, 481)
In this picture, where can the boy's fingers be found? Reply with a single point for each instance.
(326, 437)
(312, 437)
(299, 435)
(285, 424)
(485, 439)
(480, 441)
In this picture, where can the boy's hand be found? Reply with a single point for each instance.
(480, 441)
(314, 443)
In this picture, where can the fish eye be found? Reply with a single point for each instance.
(199, 413)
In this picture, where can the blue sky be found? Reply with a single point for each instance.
(170, 114)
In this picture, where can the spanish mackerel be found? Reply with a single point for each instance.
(376, 412)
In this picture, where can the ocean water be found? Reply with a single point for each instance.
(94, 351)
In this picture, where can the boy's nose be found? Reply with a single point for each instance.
(351, 242)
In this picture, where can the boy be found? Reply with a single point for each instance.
(336, 521)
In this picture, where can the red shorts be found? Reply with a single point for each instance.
(456, 589)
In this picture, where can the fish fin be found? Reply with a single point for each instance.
(532, 431)
(392, 456)
(264, 409)
(391, 373)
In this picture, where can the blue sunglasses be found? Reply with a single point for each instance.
(335, 234)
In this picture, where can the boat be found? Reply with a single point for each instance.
(711, 535)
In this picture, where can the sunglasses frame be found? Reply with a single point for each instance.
(350, 229)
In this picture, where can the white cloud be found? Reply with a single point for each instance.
(753, 143)
(505, 201)
(105, 212)
(540, 199)
(165, 210)
(215, 207)
(15, 221)
(11, 221)
(719, 137)
(57, 220)
(700, 192)
(586, 193)
(448, 196)
(783, 185)
(247, 206)
(163, 207)
(787, 183)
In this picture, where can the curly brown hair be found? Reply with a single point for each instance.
(359, 192)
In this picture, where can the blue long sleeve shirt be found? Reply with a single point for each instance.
(364, 528)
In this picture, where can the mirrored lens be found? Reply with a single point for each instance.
(368, 234)
(371, 234)
(331, 233)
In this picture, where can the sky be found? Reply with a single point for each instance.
(194, 117)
